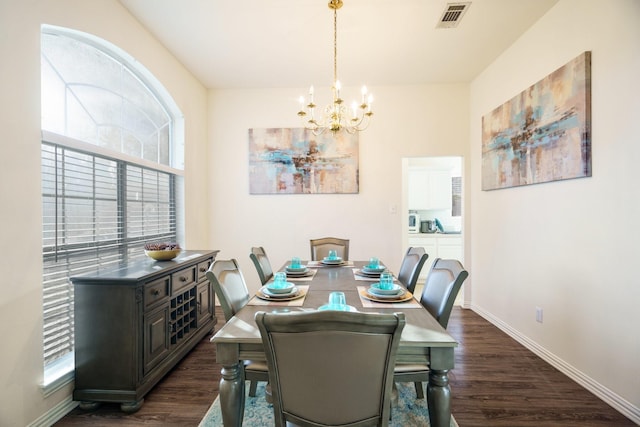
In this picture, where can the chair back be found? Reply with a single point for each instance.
(320, 248)
(229, 286)
(441, 288)
(261, 261)
(411, 266)
(329, 368)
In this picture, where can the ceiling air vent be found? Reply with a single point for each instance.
(453, 14)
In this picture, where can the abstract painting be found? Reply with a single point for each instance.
(295, 161)
(543, 134)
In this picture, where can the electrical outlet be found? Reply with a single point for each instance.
(393, 209)
(539, 314)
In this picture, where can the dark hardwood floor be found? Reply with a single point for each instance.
(496, 382)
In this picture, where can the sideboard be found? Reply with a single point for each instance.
(135, 322)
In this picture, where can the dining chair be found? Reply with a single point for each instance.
(261, 261)
(320, 248)
(411, 267)
(440, 290)
(231, 290)
(347, 357)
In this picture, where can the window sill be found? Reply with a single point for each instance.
(58, 374)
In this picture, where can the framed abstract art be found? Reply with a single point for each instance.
(542, 134)
(295, 161)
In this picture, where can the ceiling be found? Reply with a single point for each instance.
(278, 43)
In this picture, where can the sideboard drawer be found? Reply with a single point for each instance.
(156, 291)
(183, 278)
(202, 269)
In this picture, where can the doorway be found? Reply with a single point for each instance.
(432, 190)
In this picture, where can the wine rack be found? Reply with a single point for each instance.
(183, 315)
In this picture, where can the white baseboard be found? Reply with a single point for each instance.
(616, 401)
(56, 413)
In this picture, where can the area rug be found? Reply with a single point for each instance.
(406, 410)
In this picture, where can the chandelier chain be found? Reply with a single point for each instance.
(335, 45)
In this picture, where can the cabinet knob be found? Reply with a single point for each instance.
(155, 292)
(183, 279)
(202, 269)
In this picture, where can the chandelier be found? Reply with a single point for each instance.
(336, 116)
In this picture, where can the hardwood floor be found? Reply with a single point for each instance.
(496, 382)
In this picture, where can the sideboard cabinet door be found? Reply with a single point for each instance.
(156, 337)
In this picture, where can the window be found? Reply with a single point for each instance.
(111, 171)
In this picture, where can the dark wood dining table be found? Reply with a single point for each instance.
(423, 340)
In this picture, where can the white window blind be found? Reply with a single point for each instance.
(97, 211)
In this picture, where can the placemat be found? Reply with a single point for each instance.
(298, 302)
(364, 278)
(367, 303)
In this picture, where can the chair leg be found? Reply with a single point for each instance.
(267, 394)
(252, 388)
(419, 390)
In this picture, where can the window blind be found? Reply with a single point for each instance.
(97, 212)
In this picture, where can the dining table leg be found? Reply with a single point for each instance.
(439, 398)
(438, 390)
(232, 395)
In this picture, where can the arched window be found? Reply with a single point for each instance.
(112, 160)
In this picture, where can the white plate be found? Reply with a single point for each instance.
(284, 292)
(370, 270)
(376, 290)
(363, 273)
(337, 308)
(385, 296)
(297, 272)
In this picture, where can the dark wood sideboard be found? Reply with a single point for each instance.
(135, 322)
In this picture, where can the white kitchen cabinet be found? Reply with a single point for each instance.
(429, 189)
(447, 246)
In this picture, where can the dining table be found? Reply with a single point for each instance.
(423, 340)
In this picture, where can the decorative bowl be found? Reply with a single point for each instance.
(164, 255)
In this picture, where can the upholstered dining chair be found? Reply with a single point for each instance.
(347, 357)
(440, 290)
(261, 261)
(231, 290)
(411, 266)
(320, 248)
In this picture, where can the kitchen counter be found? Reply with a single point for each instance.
(439, 234)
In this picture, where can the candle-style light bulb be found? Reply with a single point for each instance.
(364, 93)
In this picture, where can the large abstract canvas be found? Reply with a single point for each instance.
(294, 161)
(543, 134)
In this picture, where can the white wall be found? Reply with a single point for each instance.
(408, 122)
(21, 262)
(569, 247)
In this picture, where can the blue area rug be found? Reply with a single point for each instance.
(406, 410)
